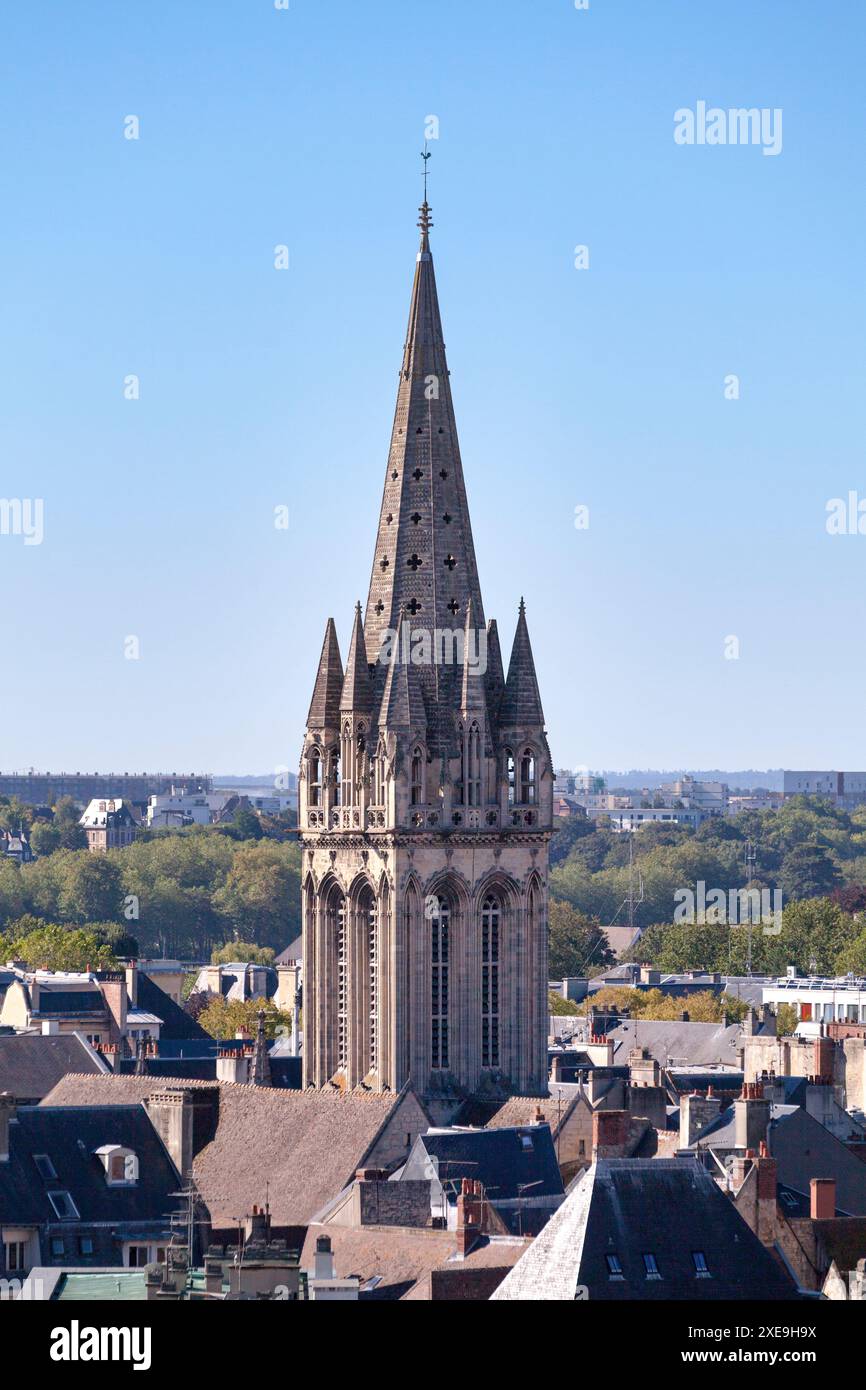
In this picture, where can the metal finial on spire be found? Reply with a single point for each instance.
(425, 221)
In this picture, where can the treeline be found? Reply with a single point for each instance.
(807, 849)
(178, 894)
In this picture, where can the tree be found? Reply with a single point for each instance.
(241, 951)
(66, 819)
(852, 958)
(92, 890)
(48, 946)
(261, 898)
(45, 837)
(222, 1018)
(577, 943)
(245, 824)
(14, 813)
(786, 1020)
(560, 1007)
(808, 872)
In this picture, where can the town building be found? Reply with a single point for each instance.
(847, 790)
(47, 788)
(108, 825)
(425, 793)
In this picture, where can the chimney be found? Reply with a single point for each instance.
(823, 1061)
(751, 1117)
(470, 1209)
(537, 1116)
(324, 1267)
(696, 1112)
(132, 984)
(170, 1114)
(823, 1199)
(233, 1064)
(213, 1275)
(7, 1114)
(113, 989)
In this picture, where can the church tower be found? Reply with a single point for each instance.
(426, 793)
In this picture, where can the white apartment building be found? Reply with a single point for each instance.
(820, 1000)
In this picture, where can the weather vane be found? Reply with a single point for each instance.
(425, 155)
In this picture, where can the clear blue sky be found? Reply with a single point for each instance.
(602, 387)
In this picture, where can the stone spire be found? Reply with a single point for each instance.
(325, 704)
(357, 696)
(260, 1066)
(521, 701)
(424, 559)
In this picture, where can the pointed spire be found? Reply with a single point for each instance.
(521, 702)
(357, 696)
(325, 704)
(402, 701)
(424, 558)
(472, 690)
(495, 678)
(260, 1068)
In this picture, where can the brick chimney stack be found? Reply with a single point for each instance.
(470, 1215)
(751, 1116)
(823, 1199)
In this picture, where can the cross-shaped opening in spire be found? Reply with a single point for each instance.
(413, 606)
(389, 518)
(443, 472)
(454, 606)
(449, 562)
(417, 475)
(415, 518)
(414, 562)
(380, 607)
(384, 563)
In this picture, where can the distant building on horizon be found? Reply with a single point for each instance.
(847, 790)
(108, 824)
(46, 788)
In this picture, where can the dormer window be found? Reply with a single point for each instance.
(120, 1164)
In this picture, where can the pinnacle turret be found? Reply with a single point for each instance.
(325, 704)
(357, 694)
(521, 700)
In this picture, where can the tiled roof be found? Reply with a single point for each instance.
(303, 1145)
(31, 1064)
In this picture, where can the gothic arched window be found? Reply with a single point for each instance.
(334, 776)
(369, 916)
(418, 777)
(510, 774)
(341, 950)
(491, 914)
(463, 776)
(527, 778)
(474, 766)
(314, 778)
(440, 928)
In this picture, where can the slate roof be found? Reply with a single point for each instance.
(304, 1145)
(626, 1208)
(695, 1043)
(30, 1064)
(70, 1136)
(69, 1001)
(521, 1110)
(176, 1022)
(507, 1161)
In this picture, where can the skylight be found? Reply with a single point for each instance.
(63, 1205)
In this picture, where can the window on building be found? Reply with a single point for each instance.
(15, 1255)
(473, 755)
(650, 1266)
(440, 926)
(314, 791)
(137, 1256)
(700, 1262)
(510, 774)
(57, 1246)
(45, 1167)
(490, 931)
(334, 770)
(63, 1205)
(527, 778)
(85, 1246)
(418, 777)
(371, 921)
(342, 984)
(614, 1268)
